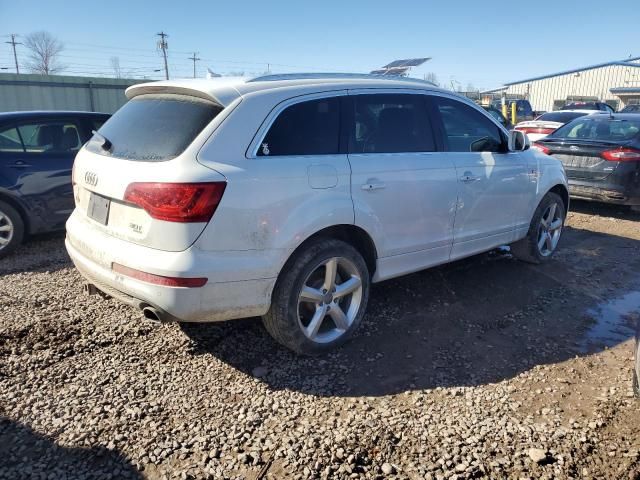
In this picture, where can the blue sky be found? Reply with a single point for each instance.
(482, 43)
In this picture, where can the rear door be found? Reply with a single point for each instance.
(404, 190)
(494, 190)
(42, 170)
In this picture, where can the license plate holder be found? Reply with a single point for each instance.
(98, 209)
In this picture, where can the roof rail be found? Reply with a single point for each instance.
(320, 76)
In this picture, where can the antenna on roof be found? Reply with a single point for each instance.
(400, 68)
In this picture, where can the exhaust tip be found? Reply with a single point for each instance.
(90, 289)
(151, 313)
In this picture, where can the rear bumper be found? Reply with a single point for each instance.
(93, 252)
(605, 193)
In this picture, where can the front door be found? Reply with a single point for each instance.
(404, 191)
(494, 188)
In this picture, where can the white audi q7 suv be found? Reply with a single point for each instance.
(286, 196)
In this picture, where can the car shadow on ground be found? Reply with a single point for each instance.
(476, 321)
(25, 454)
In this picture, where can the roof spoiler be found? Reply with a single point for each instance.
(220, 94)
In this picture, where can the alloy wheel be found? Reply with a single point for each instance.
(329, 300)
(6, 230)
(550, 229)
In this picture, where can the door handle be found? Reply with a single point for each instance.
(467, 177)
(19, 164)
(372, 186)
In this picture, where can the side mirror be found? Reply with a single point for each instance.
(518, 141)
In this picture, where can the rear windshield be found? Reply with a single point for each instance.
(590, 128)
(560, 117)
(581, 106)
(153, 128)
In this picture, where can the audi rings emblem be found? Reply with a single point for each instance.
(91, 178)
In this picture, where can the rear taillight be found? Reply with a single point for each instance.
(177, 202)
(159, 279)
(621, 155)
(540, 147)
(537, 130)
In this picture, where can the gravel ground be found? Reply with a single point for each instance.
(486, 368)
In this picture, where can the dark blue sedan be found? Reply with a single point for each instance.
(36, 157)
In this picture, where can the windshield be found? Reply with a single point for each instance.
(153, 128)
(607, 129)
(561, 117)
(630, 109)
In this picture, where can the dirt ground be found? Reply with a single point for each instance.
(485, 368)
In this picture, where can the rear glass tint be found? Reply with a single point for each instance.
(153, 128)
(589, 128)
(560, 117)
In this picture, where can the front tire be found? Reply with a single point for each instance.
(11, 229)
(544, 231)
(320, 297)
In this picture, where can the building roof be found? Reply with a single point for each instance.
(627, 62)
(623, 90)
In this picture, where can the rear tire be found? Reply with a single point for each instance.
(544, 231)
(320, 297)
(11, 229)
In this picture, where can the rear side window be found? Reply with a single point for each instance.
(466, 129)
(306, 128)
(50, 137)
(391, 123)
(10, 140)
(153, 128)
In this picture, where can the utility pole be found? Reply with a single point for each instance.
(15, 56)
(195, 59)
(162, 45)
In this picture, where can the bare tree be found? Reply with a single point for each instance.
(472, 88)
(44, 51)
(115, 65)
(433, 78)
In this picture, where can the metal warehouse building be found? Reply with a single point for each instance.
(616, 83)
(61, 92)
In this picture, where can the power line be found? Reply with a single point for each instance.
(162, 44)
(195, 59)
(15, 55)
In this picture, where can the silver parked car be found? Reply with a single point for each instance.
(286, 196)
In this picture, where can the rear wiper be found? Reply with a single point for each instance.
(106, 143)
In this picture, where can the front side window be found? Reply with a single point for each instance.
(466, 129)
(10, 140)
(306, 128)
(391, 123)
(46, 137)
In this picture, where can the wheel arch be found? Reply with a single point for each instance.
(562, 191)
(17, 205)
(355, 236)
